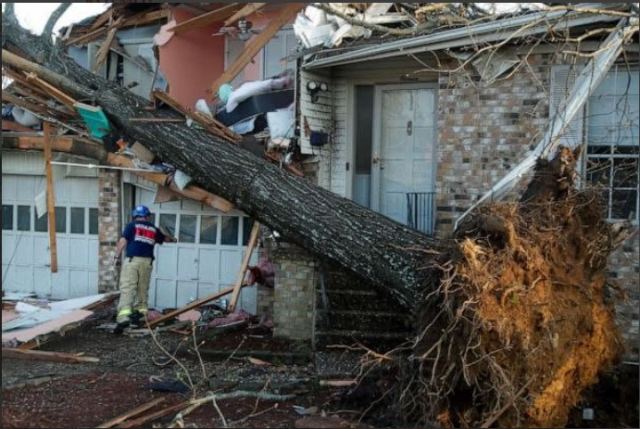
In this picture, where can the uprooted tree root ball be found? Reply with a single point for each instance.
(522, 321)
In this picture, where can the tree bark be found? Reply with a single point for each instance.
(375, 247)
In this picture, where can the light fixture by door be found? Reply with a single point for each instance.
(314, 88)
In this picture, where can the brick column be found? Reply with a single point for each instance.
(109, 227)
(294, 292)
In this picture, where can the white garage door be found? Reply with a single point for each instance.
(206, 258)
(25, 240)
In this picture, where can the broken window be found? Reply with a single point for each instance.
(24, 218)
(168, 223)
(7, 217)
(612, 124)
(77, 220)
(247, 224)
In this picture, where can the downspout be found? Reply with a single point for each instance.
(585, 84)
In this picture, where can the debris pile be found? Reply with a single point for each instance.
(522, 321)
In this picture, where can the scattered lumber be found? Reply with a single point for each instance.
(210, 124)
(192, 305)
(13, 353)
(51, 90)
(253, 241)
(14, 126)
(254, 46)
(205, 19)
(140, 409)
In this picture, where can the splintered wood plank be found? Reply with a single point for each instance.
(244, 12)
(101, 56)
(132, 413)
(206, 18)
(253, 240)
(192, 305)
(153, 416)
(51, 202)
(287, 13)
(54, 92)
(12, 353)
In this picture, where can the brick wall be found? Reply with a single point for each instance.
(109, 228)
(294, 292)
(483, 131)
(624, 265)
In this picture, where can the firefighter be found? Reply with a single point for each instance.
(139, 238)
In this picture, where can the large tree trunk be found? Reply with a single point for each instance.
(373, 246)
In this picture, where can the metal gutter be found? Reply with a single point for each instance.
(588, 80)
(495, 30)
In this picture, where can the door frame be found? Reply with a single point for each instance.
(377, 134)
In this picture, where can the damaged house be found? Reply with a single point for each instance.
(419, 126)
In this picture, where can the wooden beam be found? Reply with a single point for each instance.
(24, 103)
(101, 56)
(54, 92)
(206, 18)
(84, 147)
(244, 12)
(190, 192)
(287, 13)
(253, 240)
(142, 408)
(12, 353)
(51, 202)
(14, 126)
(192, 305)
(140, 19)
(210, 124)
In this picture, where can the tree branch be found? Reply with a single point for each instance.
(10, 13)
(375, 27)
(53, 19)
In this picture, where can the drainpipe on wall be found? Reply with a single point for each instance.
(585, 84)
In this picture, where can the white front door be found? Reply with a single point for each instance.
(403, 167)
(206, 258)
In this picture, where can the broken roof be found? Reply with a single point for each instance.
(509, 27)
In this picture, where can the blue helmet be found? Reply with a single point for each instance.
(140, 211)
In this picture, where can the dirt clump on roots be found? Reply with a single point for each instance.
(521, 324)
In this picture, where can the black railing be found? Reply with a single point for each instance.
(420, 211)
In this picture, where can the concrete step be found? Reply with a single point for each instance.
(353, 300)
(359, 320)
(378, 341)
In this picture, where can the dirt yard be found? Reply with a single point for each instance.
(43, 394)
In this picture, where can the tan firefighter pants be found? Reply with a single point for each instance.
(134, 287)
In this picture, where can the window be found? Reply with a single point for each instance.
(24, 218)
(7, 217)
(93, 221)
(77, 220)
(229, 234)
(168, 223)
(247, 224)
(612, 125)
(61, 219)
(42, 223)
(187, 229)
(208, 229)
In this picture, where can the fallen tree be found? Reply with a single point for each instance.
(513, 318)
(383, 251)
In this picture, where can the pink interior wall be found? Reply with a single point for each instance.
(191, 61)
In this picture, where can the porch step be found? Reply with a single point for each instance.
(379, 341)
(371, 321)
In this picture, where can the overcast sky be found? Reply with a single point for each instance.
(34, 15)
